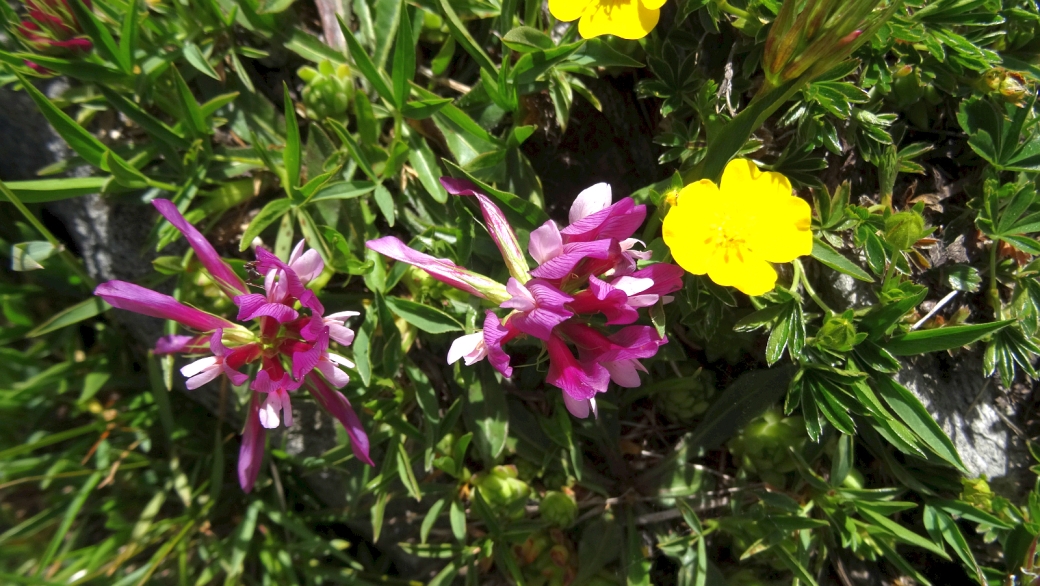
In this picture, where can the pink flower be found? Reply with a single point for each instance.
(497, 334)
(497, 226)
(593, 217)
(206, 369)
(470, 348)
(539, 305)
(441, 269)
(580, 380)
(285, 338)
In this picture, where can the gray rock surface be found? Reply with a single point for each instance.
(964, 404)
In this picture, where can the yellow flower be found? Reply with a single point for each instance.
(628, 19)
(733, 231)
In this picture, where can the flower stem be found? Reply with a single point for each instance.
(809, 288)
(727, 7)
(65, 255)
(993, 293)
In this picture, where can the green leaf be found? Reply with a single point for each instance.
(27, 256)
(880, 319)
(194, 117)
(385, 203)
(343, 190)
(748, 397)
(430, 519)
(271, 212)
(84, 143)
(404, 62)
(598, 53)
(71, 513)
(364, 64)
(123, 173)
(938, 339)
(425, 164)
(898, 531)
(128, 36)
(292, 156)
(424, 317)
(152, 125)
(965, 511)
(824, 253)
(487, 413)
(97, 31)
(600, 544)
(242, 539)
(194, 56)
(461, 34)
(405, 472)
(938, 522)
(83, 310)
(525, 39)
(312, 48)
(422, 109)
(918, 419)
(442, 59)
(352, 146)
(47, 190)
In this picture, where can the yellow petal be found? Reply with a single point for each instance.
(568, 10)
(743, 269)
(743, 180)
(653, 4)
(782, 234)
(685, 228)
(627, 19)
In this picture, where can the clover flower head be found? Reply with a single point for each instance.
(628, 19)
(588, 267)
(734, 230)
(291, 340)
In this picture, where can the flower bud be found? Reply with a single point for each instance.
(687, 401)
(329, 90)
(903, 229)
(838, 333)
(558, 508)
(52, 29)
(502, 490)
(763, 445)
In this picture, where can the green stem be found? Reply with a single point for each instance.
(809, 288)
(62, 252)
(890, 272)
(727, 7)
(993, 293)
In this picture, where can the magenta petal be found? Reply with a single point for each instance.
(266, 262)
(147, 302)
(278, 311)
(634, 342)
(304, 362)
(176, 344)
(252, 453)
(562, 265)
(667, 278)
(339, 407)
(580, 380)
(549, 310)
(237, 378)
(497, 225)
(441, 269)
(618, 221)
(603, 298)
(495, 335)
(221, 272)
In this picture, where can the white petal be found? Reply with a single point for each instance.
(624, 373)
(578, 407)
(468, 345)
(546, 243)
(340, 360)
(590, 201)
(340, 333)
(203, 377)
(632, 285)
(269, 411)
(198, 366)
(308, 266)
(341, 316)
(335, 376)
(296, 252)
(642, 300)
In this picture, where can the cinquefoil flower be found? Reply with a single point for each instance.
(586, 268)
(291, 345)
(732, 231)
(628, 19)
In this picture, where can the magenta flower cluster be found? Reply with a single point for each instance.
(586, 268)
(291, 342)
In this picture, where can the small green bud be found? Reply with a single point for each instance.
(839, 333)
(502, 489)
(558, 508)
(903, 229)
(329, 90)
(687, 400)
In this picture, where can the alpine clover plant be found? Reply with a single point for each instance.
(827, 236)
